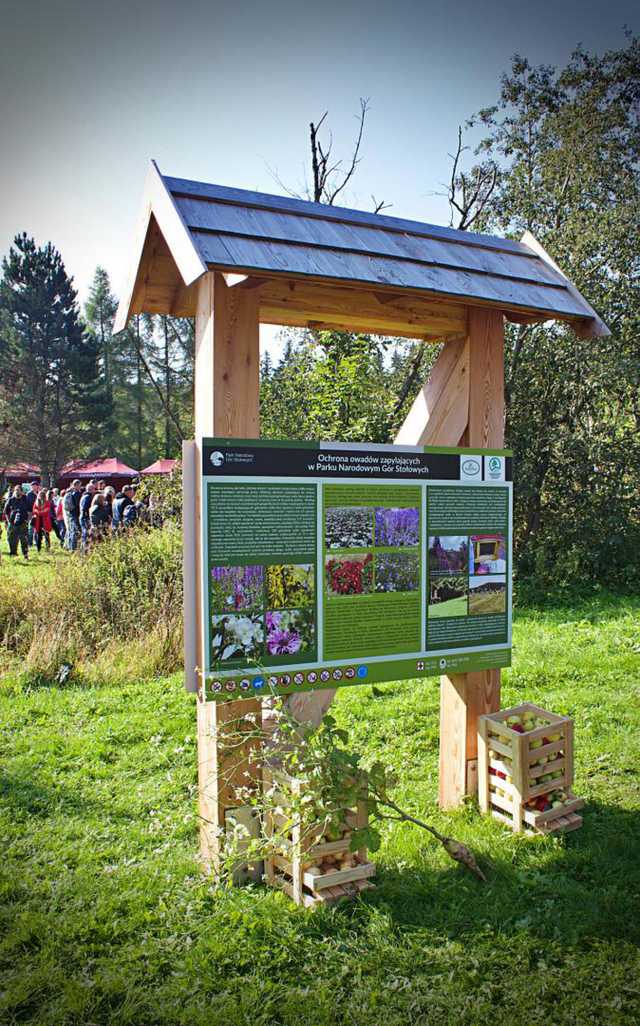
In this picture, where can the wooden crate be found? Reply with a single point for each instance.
(512, 765)
(313, 870)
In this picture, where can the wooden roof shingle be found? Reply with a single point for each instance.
(234, 230)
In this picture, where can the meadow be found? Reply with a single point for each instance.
(105, 917)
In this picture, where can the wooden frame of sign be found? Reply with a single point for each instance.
(462, 403)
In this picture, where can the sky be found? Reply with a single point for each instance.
(91, 91)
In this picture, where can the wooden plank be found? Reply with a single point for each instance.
(441, 407)
(157, 200)
(250, 255)
(595, 328)
(483, 765)
(317, 882)
(465, 697)
(226, 404)
(297, 303)
(189, 566)
(373, 240)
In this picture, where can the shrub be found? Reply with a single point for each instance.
(121, 605)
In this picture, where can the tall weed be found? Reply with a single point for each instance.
(119, 608)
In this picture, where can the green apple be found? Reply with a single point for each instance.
(536, 743)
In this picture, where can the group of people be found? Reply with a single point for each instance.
(79, 516)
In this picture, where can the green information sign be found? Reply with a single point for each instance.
(327, 564)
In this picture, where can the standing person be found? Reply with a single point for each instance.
(32, 495)
(16, 513)
(71, 507)
(85, 505)
(109, 495)
(122, 500)
(58, 518)
(42, 519)
(99, 517)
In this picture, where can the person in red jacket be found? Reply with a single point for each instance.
(42, 519)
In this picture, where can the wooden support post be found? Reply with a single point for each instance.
(466, 696)
(226, 405)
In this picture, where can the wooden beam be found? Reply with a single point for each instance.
(297, 303)
(441, 407)
(464, 697)
(226, 404)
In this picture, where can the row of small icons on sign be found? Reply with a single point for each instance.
(285, 680)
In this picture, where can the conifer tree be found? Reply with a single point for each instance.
(51, 402)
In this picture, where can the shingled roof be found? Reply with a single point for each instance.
(252, 233)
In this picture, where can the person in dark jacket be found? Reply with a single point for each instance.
(100, 517)
(17, 514)
(84, 509)
(71, 509)
(122, 500)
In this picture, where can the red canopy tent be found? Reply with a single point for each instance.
(112, 471)
(163, 466)
(20, 473)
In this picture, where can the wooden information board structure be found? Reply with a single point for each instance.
(234, 259)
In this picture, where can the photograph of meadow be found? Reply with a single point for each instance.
(236, 637)
(487, 595)
(290, 585)
(397, 526)
(289, 631)
(448, 554)
(447, 596)
(237, 587)
(348, 527)
(349, 575)
(397, 571)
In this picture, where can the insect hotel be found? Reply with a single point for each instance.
(233, 259)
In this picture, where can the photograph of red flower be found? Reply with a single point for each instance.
(349, 575)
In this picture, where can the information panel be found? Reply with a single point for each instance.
(327, 564)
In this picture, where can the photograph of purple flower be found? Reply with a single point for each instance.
(397, 526)
(236, 588)
(289, 631)
(397, 571)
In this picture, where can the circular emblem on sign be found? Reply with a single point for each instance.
(337, 674)
(324, 675)
(230, 685)
(216, 686)
(470, 468)
(217, 458)
(494, 464)
(350, 672)
(245, 684)
(442, 664)
(285, 680)
(312, 677)
(298, 678)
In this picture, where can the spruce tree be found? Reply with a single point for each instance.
(51, 402)
(100, 310)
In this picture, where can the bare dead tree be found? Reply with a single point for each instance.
(331, 176)
(469, 192)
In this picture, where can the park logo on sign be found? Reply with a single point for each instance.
(494, 468)
(217, 459)
(471, 468)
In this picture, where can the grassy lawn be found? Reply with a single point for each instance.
(39, 566)
(452, 607)
(105, 919)
(491, 602)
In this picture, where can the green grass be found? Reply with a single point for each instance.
(40, 567)
(105, 919)
(452, 607)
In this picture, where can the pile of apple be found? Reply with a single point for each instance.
(332, 863)
(522, 723)
(544, 802)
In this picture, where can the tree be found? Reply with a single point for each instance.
(51, 403)
(100, 309)
(567, 145)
